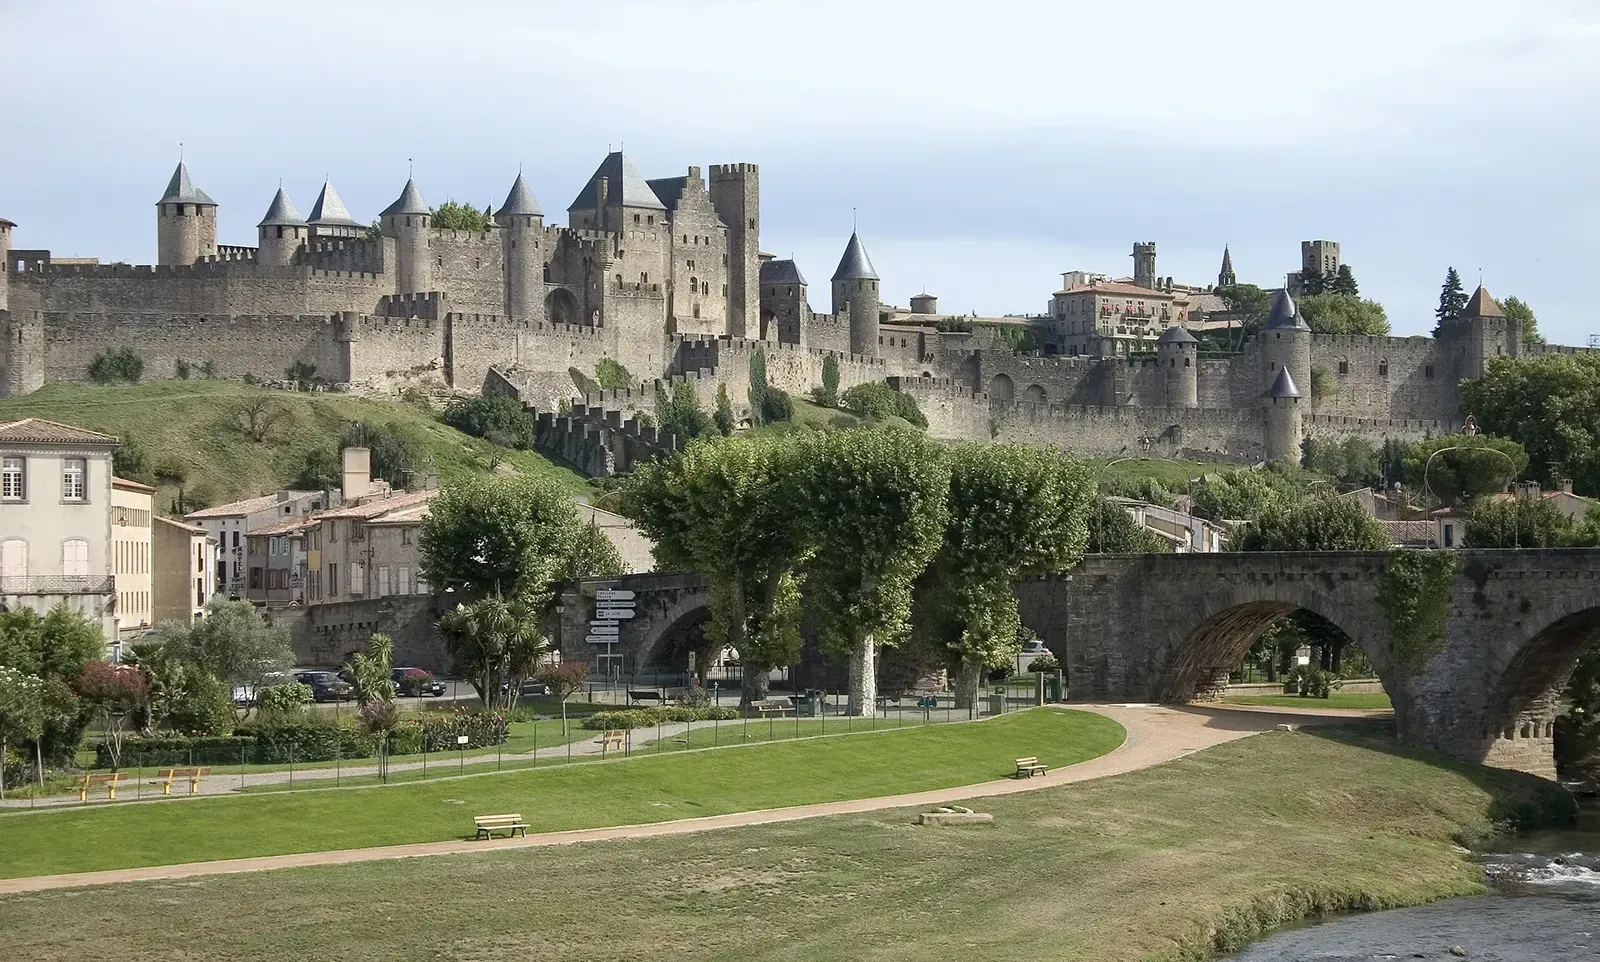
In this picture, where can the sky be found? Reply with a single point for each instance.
(982, 149)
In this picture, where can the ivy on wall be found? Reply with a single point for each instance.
(1416, 598)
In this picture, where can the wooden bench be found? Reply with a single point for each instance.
(772, 706)
(1028, 767)
(611, 739)
(487, 825)
(192, 774)
(109, 779)
(646, 695)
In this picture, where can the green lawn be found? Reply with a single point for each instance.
(1171, 864)
(1339, 699)
(1174, 474)
(645, 788)
(194, 424)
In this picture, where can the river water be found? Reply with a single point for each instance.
(1543, 906)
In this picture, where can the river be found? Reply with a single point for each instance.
(1543, 906)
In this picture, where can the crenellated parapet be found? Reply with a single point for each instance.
(598, 441)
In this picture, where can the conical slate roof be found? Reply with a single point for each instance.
(181, 190)
(1227, 260)
(520, 201)
(282, 212)
(409, 202)
(625, 186)
(1284, 313)
(329, 210)
(1176, 335)
(855, 265)
(1284, 385)
(1482, 305)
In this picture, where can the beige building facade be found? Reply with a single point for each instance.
(183, 576)
(1108, 318)
(132, 507)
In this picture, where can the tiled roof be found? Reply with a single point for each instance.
(297, 523)
(117, 482)
(329, 210)
(855, 264)
(409, 202)
(625, 186)
(1118, 288)
(1176, 335)
(381, 506)
(1408, 532)
(1284, 385)
(409, 514)
(282, 213)
(520, 201)
(1482, 305)
(40, 431)
(191, 528)
(781, 272)
(1284, 313)
(247, 506)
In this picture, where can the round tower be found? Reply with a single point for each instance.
(855, 297)
(1283, 419)
(5, 264)
(281, 233)
(407, 220)
(1144, 265)
(1178, 354)
(521, 236)
(1285, 343)
(186, 222)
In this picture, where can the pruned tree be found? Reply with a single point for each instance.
(257, 415)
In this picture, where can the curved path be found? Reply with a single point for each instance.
(1156, 734)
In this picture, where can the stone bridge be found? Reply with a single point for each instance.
(1166, 627)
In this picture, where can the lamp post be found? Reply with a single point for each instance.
(1516, 536)
(1100, 475)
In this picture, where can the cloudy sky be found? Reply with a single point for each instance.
(984, 148)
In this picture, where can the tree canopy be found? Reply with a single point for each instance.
(53, 646)
(1527, 522)
(1249, 301)
(1481, 464)
(1452, 300)
(1112, 530)
(1319, 523)
(232, 643)
(1244, 493)
(453, 215)
(1517, 309)
(1551, 405)
(1332, 313)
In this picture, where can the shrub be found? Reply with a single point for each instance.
(437, 731)
(875, 401)
(611, 375)
(174, 748)
(308, 737)
(290, 698)
(494, 417)
(646, 717)
(204, 706)
(412, 679)
(302, 374)
(171, 470)
(130, 461)
(398, 455)
(1044, 663)
(319, 470)
(1309, 681)
(115, 367)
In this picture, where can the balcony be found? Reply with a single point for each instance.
(56, 585)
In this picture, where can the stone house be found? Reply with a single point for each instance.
(183, 575)
(228, 524)
(276, 562)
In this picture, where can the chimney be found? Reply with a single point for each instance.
(356, 477)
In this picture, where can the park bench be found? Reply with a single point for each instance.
(611, 739)
(1028, 767)
(109, 779)
(192, 774)
(487, 825)
(772, 706)
(646, 696)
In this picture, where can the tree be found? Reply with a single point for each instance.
(120, 366)
(398, 453)
(1320, 523)
(1343, 282)
(729, 511)
(53, 646)
(22, 713)
(828, 394)
(1456, 468)
(1012, 512)
(1352, 461)
(593, 554)
(1452, 301)
(1522, 522)
(496, 418)
(877, 401)
(452, 215)
(611, 375)
(132, 462)
(1516, 309)
(564, 678)
(302, 374)
(875, 501)
(320, 469)
(370, 670)
(233, 642)
(678, 412)
(256, 416)
(496, 642)
(1250, 302)
(724, 416)
(183, 696)
(757, 395)
(1332, 313)
(1312, 283)
(1243, 493)
(1551, 405)
(1112, 530)
(115, 693)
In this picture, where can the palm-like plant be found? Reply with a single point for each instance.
(369, 671)
(497, 642)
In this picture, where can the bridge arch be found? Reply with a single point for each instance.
(1533, 665)
(1036, 394)
(658, 637)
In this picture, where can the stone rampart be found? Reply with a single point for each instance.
(599, 442)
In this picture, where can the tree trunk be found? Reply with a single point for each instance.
(2, 769)
(1338, 657)
(755, 684)
(968, 677)
(863, 678)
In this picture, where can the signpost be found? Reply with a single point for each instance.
(612, 606)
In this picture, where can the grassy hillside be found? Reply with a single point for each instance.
(197, 425)
(1173, 474)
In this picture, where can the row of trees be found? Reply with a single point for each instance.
(858, 521)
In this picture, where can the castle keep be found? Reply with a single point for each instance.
(665, 276)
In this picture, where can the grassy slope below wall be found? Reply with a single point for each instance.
(196, 423)
(1168, 863)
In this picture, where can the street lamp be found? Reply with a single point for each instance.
(1516, 536)
(1100, 475)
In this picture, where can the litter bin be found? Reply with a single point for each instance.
(997, 701)
(811, 705)
(1053, 687)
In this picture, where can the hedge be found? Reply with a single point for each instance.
(277, 740)
(171, 748)
(645, 717)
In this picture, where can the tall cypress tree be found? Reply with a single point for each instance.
(1344, 282)
(758, 386)
(1452, 300)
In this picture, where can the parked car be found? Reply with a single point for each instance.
(416, 683)
(246, 695)
(325, 685)
(1034, 647)
(529, 688)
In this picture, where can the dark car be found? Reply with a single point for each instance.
(416, 683)
(325, 685)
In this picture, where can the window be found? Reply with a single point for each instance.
(1383, 368)
(236, 539)
(383, 580)
(402, 580)
(333, 578)
(74, 486)
(636, 218)
(255, 578)
(1449, 536)
(75, 558)
(13, 558)
(1344, 367)
(405, 535)
(358, 578)
(422, 584)
(1427, 370)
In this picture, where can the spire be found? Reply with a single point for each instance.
(1227, 260)
(329, 210)
(520, 201)
(181, 190)
(1482, 305)
(855, 265)
(409, 202)
(282, 212)
(1284, 385)
(1284, 313)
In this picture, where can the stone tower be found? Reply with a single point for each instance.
(855, 297)
(186, 222)
(1178, 353)
(406, 220)
(1285, 343)
(1226, 277)
(280, 234)
(736, 195)
(1144, 264)
(5, 263)
(1484, 333)
(1283, 419)
(521, 236)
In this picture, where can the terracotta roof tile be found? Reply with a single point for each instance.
(1119, 290)
(247, 506)
(381, 506)
(40, 431)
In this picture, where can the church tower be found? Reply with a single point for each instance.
(186, 222)
(855, 297)
(521, 239)
(1226, 277)
(1144, 265)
